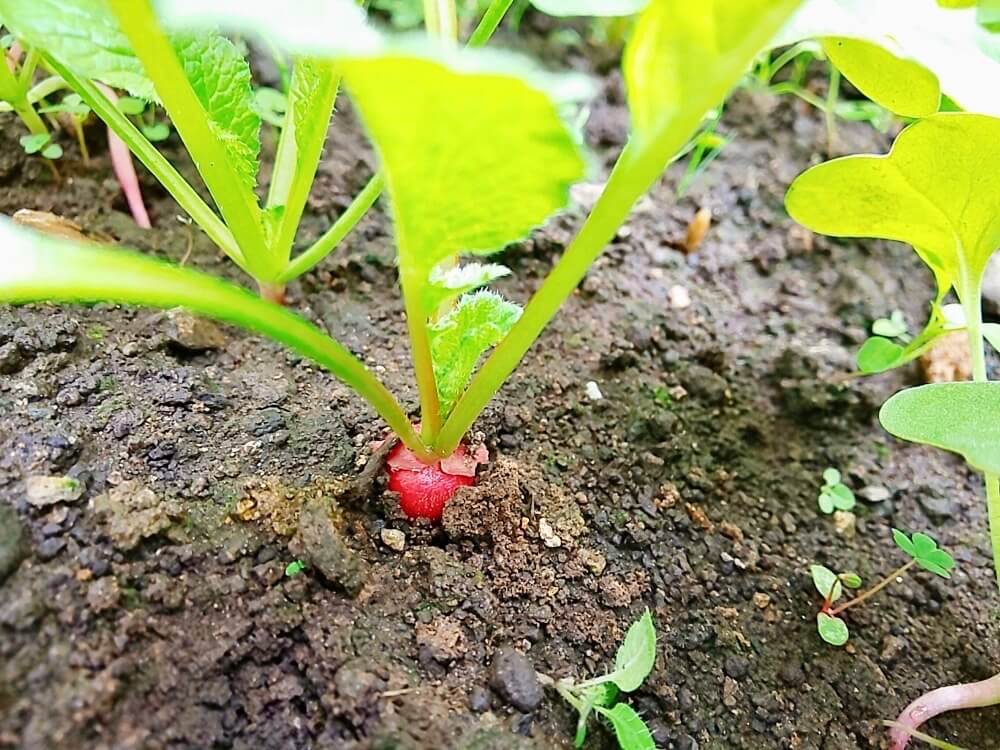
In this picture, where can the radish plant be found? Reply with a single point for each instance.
(938, 190)
(923, 552)
(473, 152)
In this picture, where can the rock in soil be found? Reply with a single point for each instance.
(948, 360)
(514, 680)
(41, 491)
(192, 333)
(320, 543)
(135, 513)
(13, 542)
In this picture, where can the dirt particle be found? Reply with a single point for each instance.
(679, 297)
(443, 638)
(731, 530)
(320, 543)
(514, 680)
(593, 560)
(730, 688)
(135, 513)
(103, 594)
(948, 360)
(192, 333)
(42, 491)
(697, 229)
(696, 514)
(547, 535)
(736, 667)
(10, 358)
(844, 523)
(50, 547)
(761, 600)
(394, 539)
(874, 494)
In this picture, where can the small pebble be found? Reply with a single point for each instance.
(874, 494)
(42, 491)
(548, 535)
(514, 679)
(50, 548)
(593, 391)
(394, 539)
(679, 297)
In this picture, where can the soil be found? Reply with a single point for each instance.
(148, 606)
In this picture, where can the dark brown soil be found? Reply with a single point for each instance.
(154, 611)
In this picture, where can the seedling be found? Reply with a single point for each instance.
(633, 663)
(294, 568)
(17, 92)
(893, 327)
(834, 494)
(938, 190)
(473, 154)
(923, 552)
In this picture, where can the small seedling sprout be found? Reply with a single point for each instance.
(835, 495)
(633, 663)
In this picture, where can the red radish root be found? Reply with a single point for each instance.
(951, 698)
(424, 489)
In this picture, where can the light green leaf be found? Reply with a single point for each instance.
(35, 267)
(459, 339)
(831, 476)
(462, 167)
(944, 42)
(602, 694)
(84, 35)
(925, 552)
(684, 57)
(891, 327)
(637, 654)
(630, 730)
(52, 151)
(590, 7)
(831, 629)
(34, 142)
(826, 503)
(312, 93)
(220, 77)
(851, 580)
(446, 285)
(959, 417)
(937, 189)
(827, 583)
(843, 498)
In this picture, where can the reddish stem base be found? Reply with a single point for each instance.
(951, 698)
(424, 489)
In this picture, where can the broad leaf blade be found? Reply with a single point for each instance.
(637, 654)
(684, 57)
(84, 35)
(630, 730)
(938, 189)
(827, 582)
(459, 339)
(832, 629)
(462, 167)
(925, 552)
(220, 77)
(959, 417)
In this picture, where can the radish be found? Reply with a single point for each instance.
(423, 488)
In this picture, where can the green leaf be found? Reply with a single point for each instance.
(603, 694)
(637, 654)
(458, 340)
(937, 189)
(991, 332)
(129, 105)
(684, 57)
(831, 476)
(901, 86)
(590, 7)
(461, 168)
(891, 327)
(158, 131)
(294, 568)
(35, 267)
(843, 498)
(630, 730)
(84, 35)
(831, 629)
(851, 580)
(925, 551)
(35, 142)
(912, 35)
(959, 417)
(220, 77)
(52, 151)
(827, 583)
(446, 285)
(270, 104)
(826, 502)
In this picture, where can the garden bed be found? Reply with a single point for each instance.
(155, 611)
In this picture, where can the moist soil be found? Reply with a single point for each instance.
(147, 605)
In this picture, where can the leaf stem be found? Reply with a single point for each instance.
(901, 570)
(489, 22)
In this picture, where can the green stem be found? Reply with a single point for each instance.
(972, 304)
(831, 108)
(155, 162)
(901, 570)
(632, 174)
(489, 22)
(307, 259)
(423, 363)
(441, 19)
(236, 201)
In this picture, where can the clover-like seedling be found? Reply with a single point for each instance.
(834, 494)
(633, 663)
(893, 327)
(923, 552)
